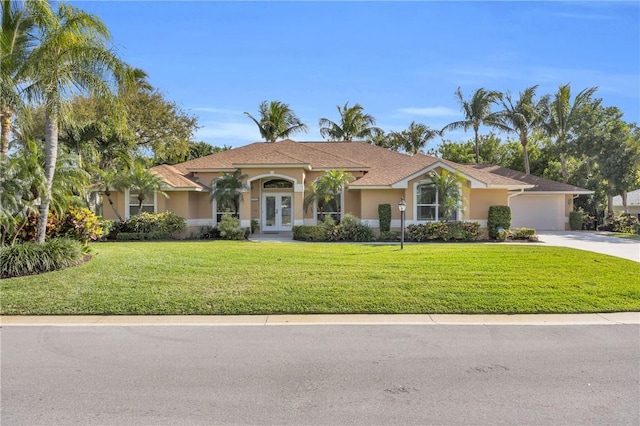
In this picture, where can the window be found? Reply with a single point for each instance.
(225, 208)
(332, 208)
(428, 205)
(148, 204)
(277, 184)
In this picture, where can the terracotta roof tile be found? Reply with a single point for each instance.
(175, 177)
(540, 184)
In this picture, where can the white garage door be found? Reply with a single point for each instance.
(541, 212)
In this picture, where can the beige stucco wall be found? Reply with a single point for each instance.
(481, 199)
(178, 203)
(371, 198)
(118, 202)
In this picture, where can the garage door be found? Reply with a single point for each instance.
(541, 212)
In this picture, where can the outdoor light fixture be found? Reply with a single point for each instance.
(402, 206)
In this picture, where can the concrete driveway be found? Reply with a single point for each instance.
(593, 241)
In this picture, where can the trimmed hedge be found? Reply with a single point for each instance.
(32, 258)
(499, 217)
(445, 231)
(575, 220)
(523, 233)
(142, 236)
(309, 233)
(384, 215)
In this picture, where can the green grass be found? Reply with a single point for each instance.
(226, 277)
(625, 236)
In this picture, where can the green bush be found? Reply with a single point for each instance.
(624, 223)
(32, 258)
(502, 235)
(360, 233)
(445, 231)
(142, 236)
(499, 217)
(523, 233)
(109, 229)
(384, 215)
(309, 233)
(145, 222)
(389, 236)
(81, 224)
(575, 220)
(209, 233)
(229, 228)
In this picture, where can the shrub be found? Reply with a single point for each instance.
(31, 258)
(389, 236)
(360, 233)
(625, 223)
(109, 229)
(209, 233)
(171, 223)
(499, 217)
(575, 220)
(229, 228)
(309, 233)
(465, 231)
(502, 235)
(81, 224)
(384, 215)
(523, 233)
(142, 236)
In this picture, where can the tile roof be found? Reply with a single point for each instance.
(383, 167)
(176, 177)
(540, 184)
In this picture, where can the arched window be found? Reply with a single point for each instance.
(277, 184)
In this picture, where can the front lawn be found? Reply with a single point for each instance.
(229, 277)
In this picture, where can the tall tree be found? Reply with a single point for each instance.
(354, 123)
(228, 188)
(277, 121)
(72, 54)
(415, 138)
(477, 112)
(521, 117)
(17, 39)
(561, 117)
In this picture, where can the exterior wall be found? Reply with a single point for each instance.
(178, 203)
(200, 205)
(371, 198)
(352, 202)
(118, 202)
(481, 199)
(568, 202)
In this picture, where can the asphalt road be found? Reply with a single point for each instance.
(347, 374)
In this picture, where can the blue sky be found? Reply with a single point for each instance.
(402, 61)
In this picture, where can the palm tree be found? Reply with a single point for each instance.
(447, 186)
(72, 54)
(561, 117)
(277, 121)
(143, 182)
(415, 138)
(521, 117)
(326, 190)
(228, 188)
(477, 111)
(17, 39)
(353, 124)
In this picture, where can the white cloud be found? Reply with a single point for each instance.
(438, 111)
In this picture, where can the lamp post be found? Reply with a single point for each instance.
(402, 206)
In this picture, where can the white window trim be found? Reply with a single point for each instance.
(437, 205)
(127, 203)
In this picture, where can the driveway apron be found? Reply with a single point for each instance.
(593, 241)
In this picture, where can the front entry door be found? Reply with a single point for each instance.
(277, 212)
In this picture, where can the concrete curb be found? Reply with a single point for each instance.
(356, 319)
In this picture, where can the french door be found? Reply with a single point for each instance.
(277, 212)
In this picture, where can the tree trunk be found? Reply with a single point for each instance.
(477, 147)
(50, 159)
(609, 203)
(5, 132)
(563, 164)
(624, 202)
(107, 193)
(525, 155)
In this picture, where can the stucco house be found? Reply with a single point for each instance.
(633, 203)
(278, 172)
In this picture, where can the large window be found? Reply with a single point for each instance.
(225, 208)
(428, 205)
(148, 204)
(332, 208)
(277, 184)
